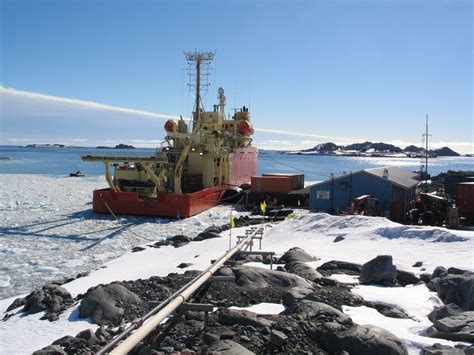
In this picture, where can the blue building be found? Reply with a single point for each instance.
(393, 187)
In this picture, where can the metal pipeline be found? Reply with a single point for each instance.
(172, 303)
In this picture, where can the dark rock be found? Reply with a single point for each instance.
(340, 265)
(295, 254)
(86, 334)
(103, 304)
(137, 249)
(389, 311)
(456, 271)
(277, 338)
(454, 288)
(338, 239)
(51, 298)
(438, 349)
(224, 271)
(179, 240)
(102, 332)
(295, 294)
(209, 338)
(52, 317)
(16, 303)
(184, 265)
(35, 302)
(65, 341)
(228, 347)
(418, 264)
(227, 334)
(459, 327)
(310, 310)
(378, 270)
(83, 274)
(260, 278)
(327, 281)
(303, 270)
(425, 278)
(241, 317)
(444, 311)
(406, 278)
(211, 232)
(438, 271)
(334, 338)
(50, 350)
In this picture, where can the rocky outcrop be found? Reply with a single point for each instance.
(335, 337)
(232, 316)
(438, 349)
(444, 311)
(457, 288)
(51, 350)
(340, 266)
(406, 278)
(259, 278)
(379, 271)
(51, 298)
(303, 270)
(104, 304)
(313, 321)
(296, 255)
(459, 327)
(335, 332)
(228, 347)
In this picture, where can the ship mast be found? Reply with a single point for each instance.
(198, 59)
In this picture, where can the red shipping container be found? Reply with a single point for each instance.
(465, 199)
(271, 184)
(297, 180)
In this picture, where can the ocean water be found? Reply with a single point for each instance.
(62, 161)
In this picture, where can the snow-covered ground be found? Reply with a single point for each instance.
(48, 231)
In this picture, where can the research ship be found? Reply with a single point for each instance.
(195, 167)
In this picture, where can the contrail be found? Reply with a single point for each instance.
(152, 115)
(82, 103)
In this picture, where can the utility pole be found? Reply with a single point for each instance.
(425, 138)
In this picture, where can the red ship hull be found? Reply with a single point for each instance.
(244, 166)
(165, 205)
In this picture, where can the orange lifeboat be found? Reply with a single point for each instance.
(171, 126)
(245, 128)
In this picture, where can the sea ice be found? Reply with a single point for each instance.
(5, 281)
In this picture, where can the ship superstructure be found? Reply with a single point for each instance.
(192, 169)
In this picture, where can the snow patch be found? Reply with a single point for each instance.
(263, 308)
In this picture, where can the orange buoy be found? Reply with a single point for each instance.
(171, 126)
(245, 128)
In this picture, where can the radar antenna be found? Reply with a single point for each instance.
(222, 99)
(198, 79)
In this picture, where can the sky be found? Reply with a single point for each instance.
(101, 72)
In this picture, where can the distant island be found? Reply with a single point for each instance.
(47, 145)
(369, 149)
(118, 146)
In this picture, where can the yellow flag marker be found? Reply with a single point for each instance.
(263, 207)
(231, 222)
